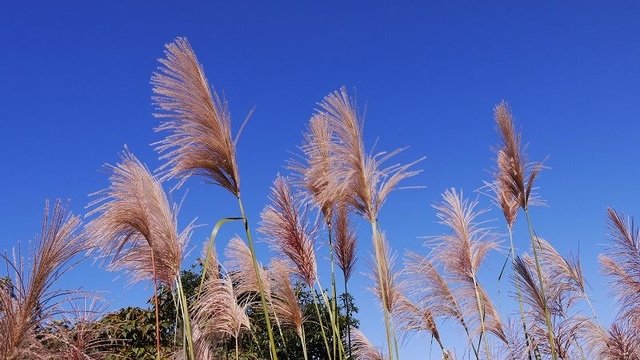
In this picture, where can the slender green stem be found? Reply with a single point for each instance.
(519, 292)
(347, 308)
(304, 342)
(237, 354)
(155, 303)
(284, 342)
(547, 314)
(186, 321)
(481, 313)
(176, 305)
(334, 304)
(210, 246)
(378, 247)
(593, 311)
(335, 329)
(256, 268)
(321, 323)
(466, 330)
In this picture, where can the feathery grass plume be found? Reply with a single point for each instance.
(363, 349)
(386, 280)
(386, 285)
(621, 263)
(505, 199)
(416, 318)
(565, 272)
(198, 121)
(137, 228)
(324, 191)
(515, 175)
(508, 203)
(210, 256)
(363, 180)
(624, 343)
(242, 273)
(287, 231)
(204, 344)
(318, 161)
(563, 281)
(345, 249)
(199, 140)
(284, 300)
(567, 342)
(365, 183)
(240, 269)
(203, 348)
(28, 300)
(218, 314)
(431, 289)
(531, 289)
(560, 295)
(620, 341)
(78, 333)
(517, 346)
(346, 242)
(462, 252)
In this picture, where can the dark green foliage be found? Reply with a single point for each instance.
(132, 330)
(255, 345)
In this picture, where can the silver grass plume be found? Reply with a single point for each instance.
(287, 231)
(198, 122)
(28, 299)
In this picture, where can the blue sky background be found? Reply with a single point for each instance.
(74, 89)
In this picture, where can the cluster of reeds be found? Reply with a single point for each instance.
(134, 227)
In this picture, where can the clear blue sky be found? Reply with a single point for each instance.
(74, 89)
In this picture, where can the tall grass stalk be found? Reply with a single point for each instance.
(155, 304)
(345, 250)
(256, 267)
(333, 320)
(348, 315)
(377, 245)
(321, 323)
(303, 340)
(547, 313)
(334, 302)
(186, 320)
(237, 352)
(519, 294)
(199, 140)
(481, 314)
